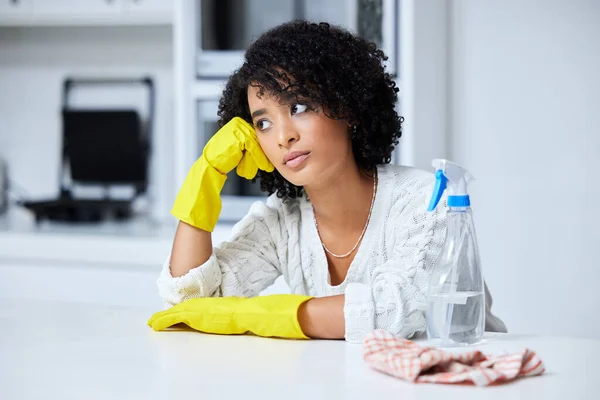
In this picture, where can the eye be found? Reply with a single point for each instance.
(298, 108)
(263, 124)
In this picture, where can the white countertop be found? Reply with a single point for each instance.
(52, 350)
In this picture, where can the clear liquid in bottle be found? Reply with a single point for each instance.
(461, 313)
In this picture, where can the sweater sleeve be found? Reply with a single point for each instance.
(395, 298)
(242, 266)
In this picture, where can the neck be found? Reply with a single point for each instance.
(343, 199)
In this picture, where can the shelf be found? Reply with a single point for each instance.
(85, 20)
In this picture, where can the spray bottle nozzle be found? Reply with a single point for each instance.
(453, 177)
(438, 190)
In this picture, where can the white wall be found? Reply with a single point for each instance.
(33, 63)
(525, 118)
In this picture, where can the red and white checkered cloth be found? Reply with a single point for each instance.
(407, 360)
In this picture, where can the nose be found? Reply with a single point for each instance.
(287, 135)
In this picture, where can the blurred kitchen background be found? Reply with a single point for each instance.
(509, 89)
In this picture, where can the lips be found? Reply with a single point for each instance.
(293, 155)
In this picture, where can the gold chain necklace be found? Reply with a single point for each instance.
(362, 233)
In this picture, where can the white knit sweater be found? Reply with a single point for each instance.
(386, 283)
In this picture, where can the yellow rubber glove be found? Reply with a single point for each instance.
(268, 316)
(198, 202)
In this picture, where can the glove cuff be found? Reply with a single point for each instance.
(273, 315)
(198, 202)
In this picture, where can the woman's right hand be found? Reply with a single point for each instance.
(236, 145)
(198, 202)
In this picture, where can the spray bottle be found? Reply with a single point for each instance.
(456, 299)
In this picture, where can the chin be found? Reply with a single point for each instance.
(299, 178)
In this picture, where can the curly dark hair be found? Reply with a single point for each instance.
(332, 69)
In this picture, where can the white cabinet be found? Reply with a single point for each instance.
(77, 8)
(114, 264)
(14, 8)
(148, 7)
(107, 284)
(74, 266)
(85, 282)
(85, 12)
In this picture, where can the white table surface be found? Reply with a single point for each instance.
(51, 350)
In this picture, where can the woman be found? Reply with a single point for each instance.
(312, 113)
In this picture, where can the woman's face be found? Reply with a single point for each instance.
(304, 145)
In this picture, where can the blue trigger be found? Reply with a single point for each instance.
(438, 190)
